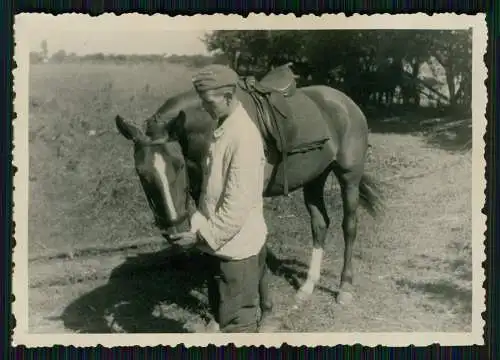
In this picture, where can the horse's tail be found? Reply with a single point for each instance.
(370, 195)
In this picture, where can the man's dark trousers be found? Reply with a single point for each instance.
(233, 291)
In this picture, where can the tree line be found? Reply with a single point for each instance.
(61, 56)
(376, 67)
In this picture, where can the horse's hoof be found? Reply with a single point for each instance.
(211, 327)
(269, 323)
(344, 298)
(300, 298)
(267, 307)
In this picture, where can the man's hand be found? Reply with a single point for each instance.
(184, 240)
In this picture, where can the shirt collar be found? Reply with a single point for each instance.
(219, 131)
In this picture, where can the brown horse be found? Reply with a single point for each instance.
(169, 152)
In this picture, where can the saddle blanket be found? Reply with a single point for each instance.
(304, 127)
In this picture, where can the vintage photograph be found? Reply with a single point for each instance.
(193, 180)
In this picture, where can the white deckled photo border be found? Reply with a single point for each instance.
(22, 29)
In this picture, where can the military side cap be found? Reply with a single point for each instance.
(214, 76)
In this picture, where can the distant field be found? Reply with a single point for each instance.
(82, 184)
(413, 266)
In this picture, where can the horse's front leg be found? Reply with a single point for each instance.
(315, 204)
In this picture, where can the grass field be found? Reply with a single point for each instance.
(96, 263)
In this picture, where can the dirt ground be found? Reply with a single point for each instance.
(96, 263)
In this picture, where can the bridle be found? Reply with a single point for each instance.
(187, 212)
(189, 207)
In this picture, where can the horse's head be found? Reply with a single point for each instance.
(161, 167)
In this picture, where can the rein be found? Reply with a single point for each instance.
(147, 142)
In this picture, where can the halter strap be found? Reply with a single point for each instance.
(189, 210)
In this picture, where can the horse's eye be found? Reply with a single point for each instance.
(178, 164)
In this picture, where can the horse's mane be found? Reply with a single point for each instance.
(183, 101)
(196, 119)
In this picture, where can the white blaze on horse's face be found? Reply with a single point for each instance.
(160, 168)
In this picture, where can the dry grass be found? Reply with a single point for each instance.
(413, 265)
(83, 187)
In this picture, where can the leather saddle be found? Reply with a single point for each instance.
(280, 80)
(270, 96)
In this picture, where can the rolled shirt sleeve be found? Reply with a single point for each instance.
(241, 194)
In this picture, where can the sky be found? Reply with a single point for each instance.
(85, 35)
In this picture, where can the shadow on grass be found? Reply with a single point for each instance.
(442, 291)
(458, 138)
(293, 271)
(133, 291)
(129, 301)
(440, 128)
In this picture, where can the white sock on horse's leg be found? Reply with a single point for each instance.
(314, 272)
(213, 325)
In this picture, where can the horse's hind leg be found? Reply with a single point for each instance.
(315, 204)
(349, 183)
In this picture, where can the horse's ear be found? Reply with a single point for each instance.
(129, 131)
(181, 117)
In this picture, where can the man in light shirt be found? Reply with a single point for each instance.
(230, 222)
